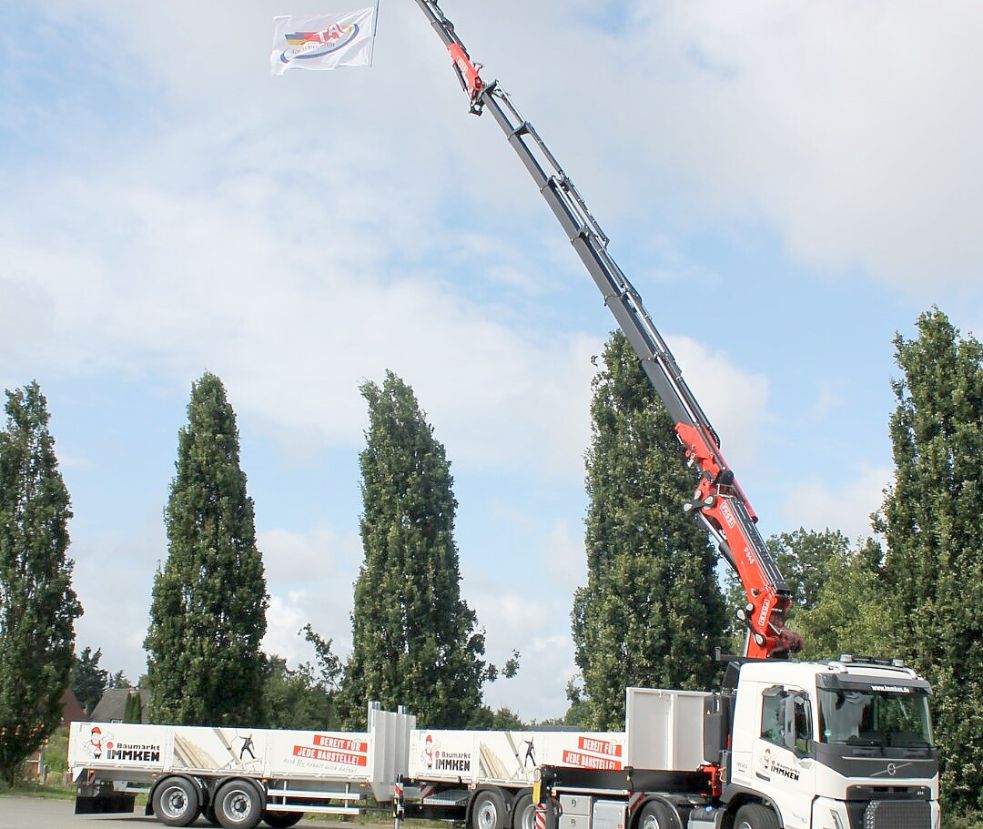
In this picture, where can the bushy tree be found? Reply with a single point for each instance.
(303, 698)
(931, 520)
(38, 606)
(415, 642)
(208, 614)
(89, 681)
(652, 611)
(849, 611)
(810, 560)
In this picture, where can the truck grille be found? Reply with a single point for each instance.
(897, 814)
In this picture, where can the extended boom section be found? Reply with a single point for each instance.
(719, 502)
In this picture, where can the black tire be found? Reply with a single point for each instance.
(208, 813)
(176, 801)
(656, 815)
(488, 810)
(755, 816)
(281, 820)
(524, 812)
(238, 805)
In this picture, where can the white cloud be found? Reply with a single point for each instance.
(565, 556)
(734, 400)
(817, 506)
(310, 577)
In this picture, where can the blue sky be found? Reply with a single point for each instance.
(786, 186)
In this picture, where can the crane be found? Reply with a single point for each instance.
(718, 502)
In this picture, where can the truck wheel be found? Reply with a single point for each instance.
(238, 805)
(756, 816)
(176, 802)
(488, 810)
(208, 813)
(656, 815)
(524, 812)
(281, 820)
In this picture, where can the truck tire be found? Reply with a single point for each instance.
(755, 816)
(208, 813)
(238, 805)
(524, 812)
(656, 815)
(176, 801)
(281, 820)
(488, 810)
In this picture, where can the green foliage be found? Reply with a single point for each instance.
(504, 719)
(931, 520)
(652, 610)
(303, 698)
(56, 753)
(119, 680)
(850, 612)
(415, 641)
(208, 614)
(38, 606)
(133, 711)
(838, 606)
(89, 681)
(295, 699)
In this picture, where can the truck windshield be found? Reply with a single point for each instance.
(875, 718)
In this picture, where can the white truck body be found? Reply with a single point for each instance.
(346, 763)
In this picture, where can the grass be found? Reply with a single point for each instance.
(46, 792)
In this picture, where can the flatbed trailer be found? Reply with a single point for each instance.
(485, 778)
(237, 776)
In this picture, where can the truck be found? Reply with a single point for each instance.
(236, 777)
(837, 744)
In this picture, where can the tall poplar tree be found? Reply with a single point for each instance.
(652, 611)
(931, 520)
(208, 613)
(38, 606)
(415, 641)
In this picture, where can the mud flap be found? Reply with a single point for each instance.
(109, 803)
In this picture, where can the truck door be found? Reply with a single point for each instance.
(782, 756)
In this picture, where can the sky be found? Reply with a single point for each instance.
(787, 186)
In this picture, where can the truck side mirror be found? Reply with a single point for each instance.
(797, 732)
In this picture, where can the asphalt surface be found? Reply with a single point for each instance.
(37, 813)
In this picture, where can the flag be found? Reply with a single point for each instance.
(323, 42)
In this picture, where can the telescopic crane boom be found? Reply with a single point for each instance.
(719, 502)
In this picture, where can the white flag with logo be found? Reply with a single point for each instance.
(323, 42)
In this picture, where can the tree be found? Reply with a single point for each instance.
(804, 558)
(415, 642)
(849, 612)
(133, 711)
(89, 681)
(652, 611)
(208, 612)
(119, 680)
(931, 521)
(38, 606)
(303, 698)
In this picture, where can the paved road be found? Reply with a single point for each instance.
(37, 813)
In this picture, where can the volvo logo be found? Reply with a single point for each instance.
(892, 769)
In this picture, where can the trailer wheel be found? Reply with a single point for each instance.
(756, 816)
(238, 805)
(488, 810)
(656, 815)
(208, 813)
(524, 812)
(281, 820)
(176, 802)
